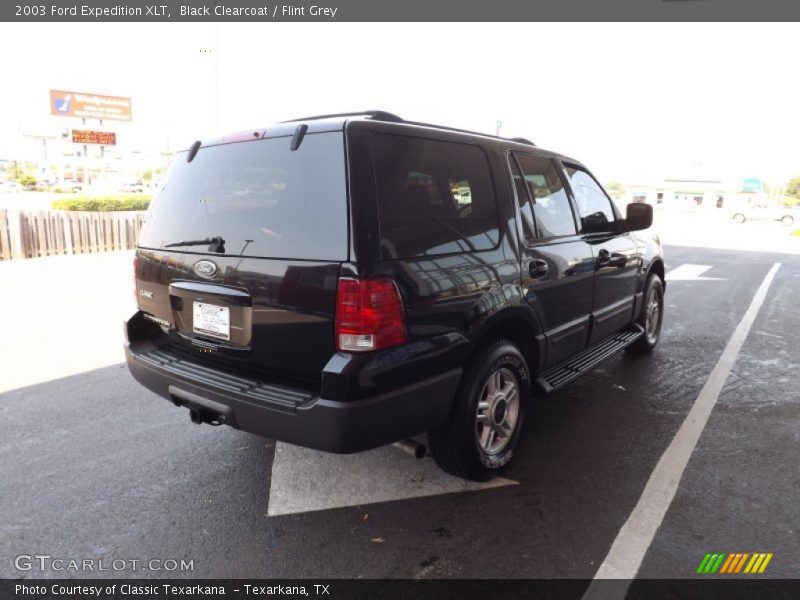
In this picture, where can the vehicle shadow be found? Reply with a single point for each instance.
(98, 467)
(95, 466)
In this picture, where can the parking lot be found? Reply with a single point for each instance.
(96, 467)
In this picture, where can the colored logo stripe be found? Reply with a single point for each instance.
(758, 563)
(727, 564)
(735, 562)
(710, 563)
(703, 563)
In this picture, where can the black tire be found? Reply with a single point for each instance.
(739, 218)
(653, 290)
(787, 220)
(456, 446)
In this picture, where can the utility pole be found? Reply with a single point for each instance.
(85, 181)
(215, 76)
(498, 127)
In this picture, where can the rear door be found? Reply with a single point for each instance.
(239, 257)
(557, 264)
(617, 259)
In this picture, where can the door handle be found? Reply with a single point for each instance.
(538, 268)
(607, 259)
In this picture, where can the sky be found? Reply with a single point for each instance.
(635, 102)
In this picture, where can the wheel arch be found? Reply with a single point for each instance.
(519, 328)
(657, 267)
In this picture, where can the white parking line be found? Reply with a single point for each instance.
(305, 480)
(628, 550)
(689, 272)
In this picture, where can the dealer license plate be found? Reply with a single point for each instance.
(214, 321)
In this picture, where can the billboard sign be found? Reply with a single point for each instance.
(752, 184)
(88, 136)
(89, 106)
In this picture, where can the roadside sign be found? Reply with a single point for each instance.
(89, 106)
(89, 136)
(753, 184)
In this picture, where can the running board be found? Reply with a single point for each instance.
(568, 371)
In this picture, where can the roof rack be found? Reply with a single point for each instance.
(489, 135)
(377, 115)
(382, 115)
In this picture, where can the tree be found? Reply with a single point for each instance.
(28, 181)
(616, 189)
(793, 188)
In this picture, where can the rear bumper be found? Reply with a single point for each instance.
(291, 415)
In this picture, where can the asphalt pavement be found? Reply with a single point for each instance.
(95, 466)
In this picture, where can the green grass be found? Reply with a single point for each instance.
(104, 203)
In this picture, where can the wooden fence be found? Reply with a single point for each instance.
(29, 234)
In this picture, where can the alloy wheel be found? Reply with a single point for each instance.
(498, 411)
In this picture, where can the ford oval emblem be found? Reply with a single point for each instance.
(205, 268)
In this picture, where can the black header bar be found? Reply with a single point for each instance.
(398, 10)
(733, 588)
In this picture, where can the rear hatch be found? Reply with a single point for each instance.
(239, 257)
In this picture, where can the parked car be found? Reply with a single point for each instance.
(765, 212)
(73, 185)
(382, 279)
(132, 187)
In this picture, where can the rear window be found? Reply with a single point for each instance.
(434, 197)
(263, 199)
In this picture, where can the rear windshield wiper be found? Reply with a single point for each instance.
(215, 244)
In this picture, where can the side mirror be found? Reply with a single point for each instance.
(638, 217)
(595, 223)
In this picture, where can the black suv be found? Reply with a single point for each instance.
(349, 281)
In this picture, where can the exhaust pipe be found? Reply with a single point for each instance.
(412, 448)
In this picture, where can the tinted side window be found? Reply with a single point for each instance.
(594, 206)
(523, 201)
(433, 197)
(551, 208)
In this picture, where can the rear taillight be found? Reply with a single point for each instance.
(369, 315)
(135, 291)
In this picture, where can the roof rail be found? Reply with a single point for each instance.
(382, 115)
(377, 115)
(489, 135)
